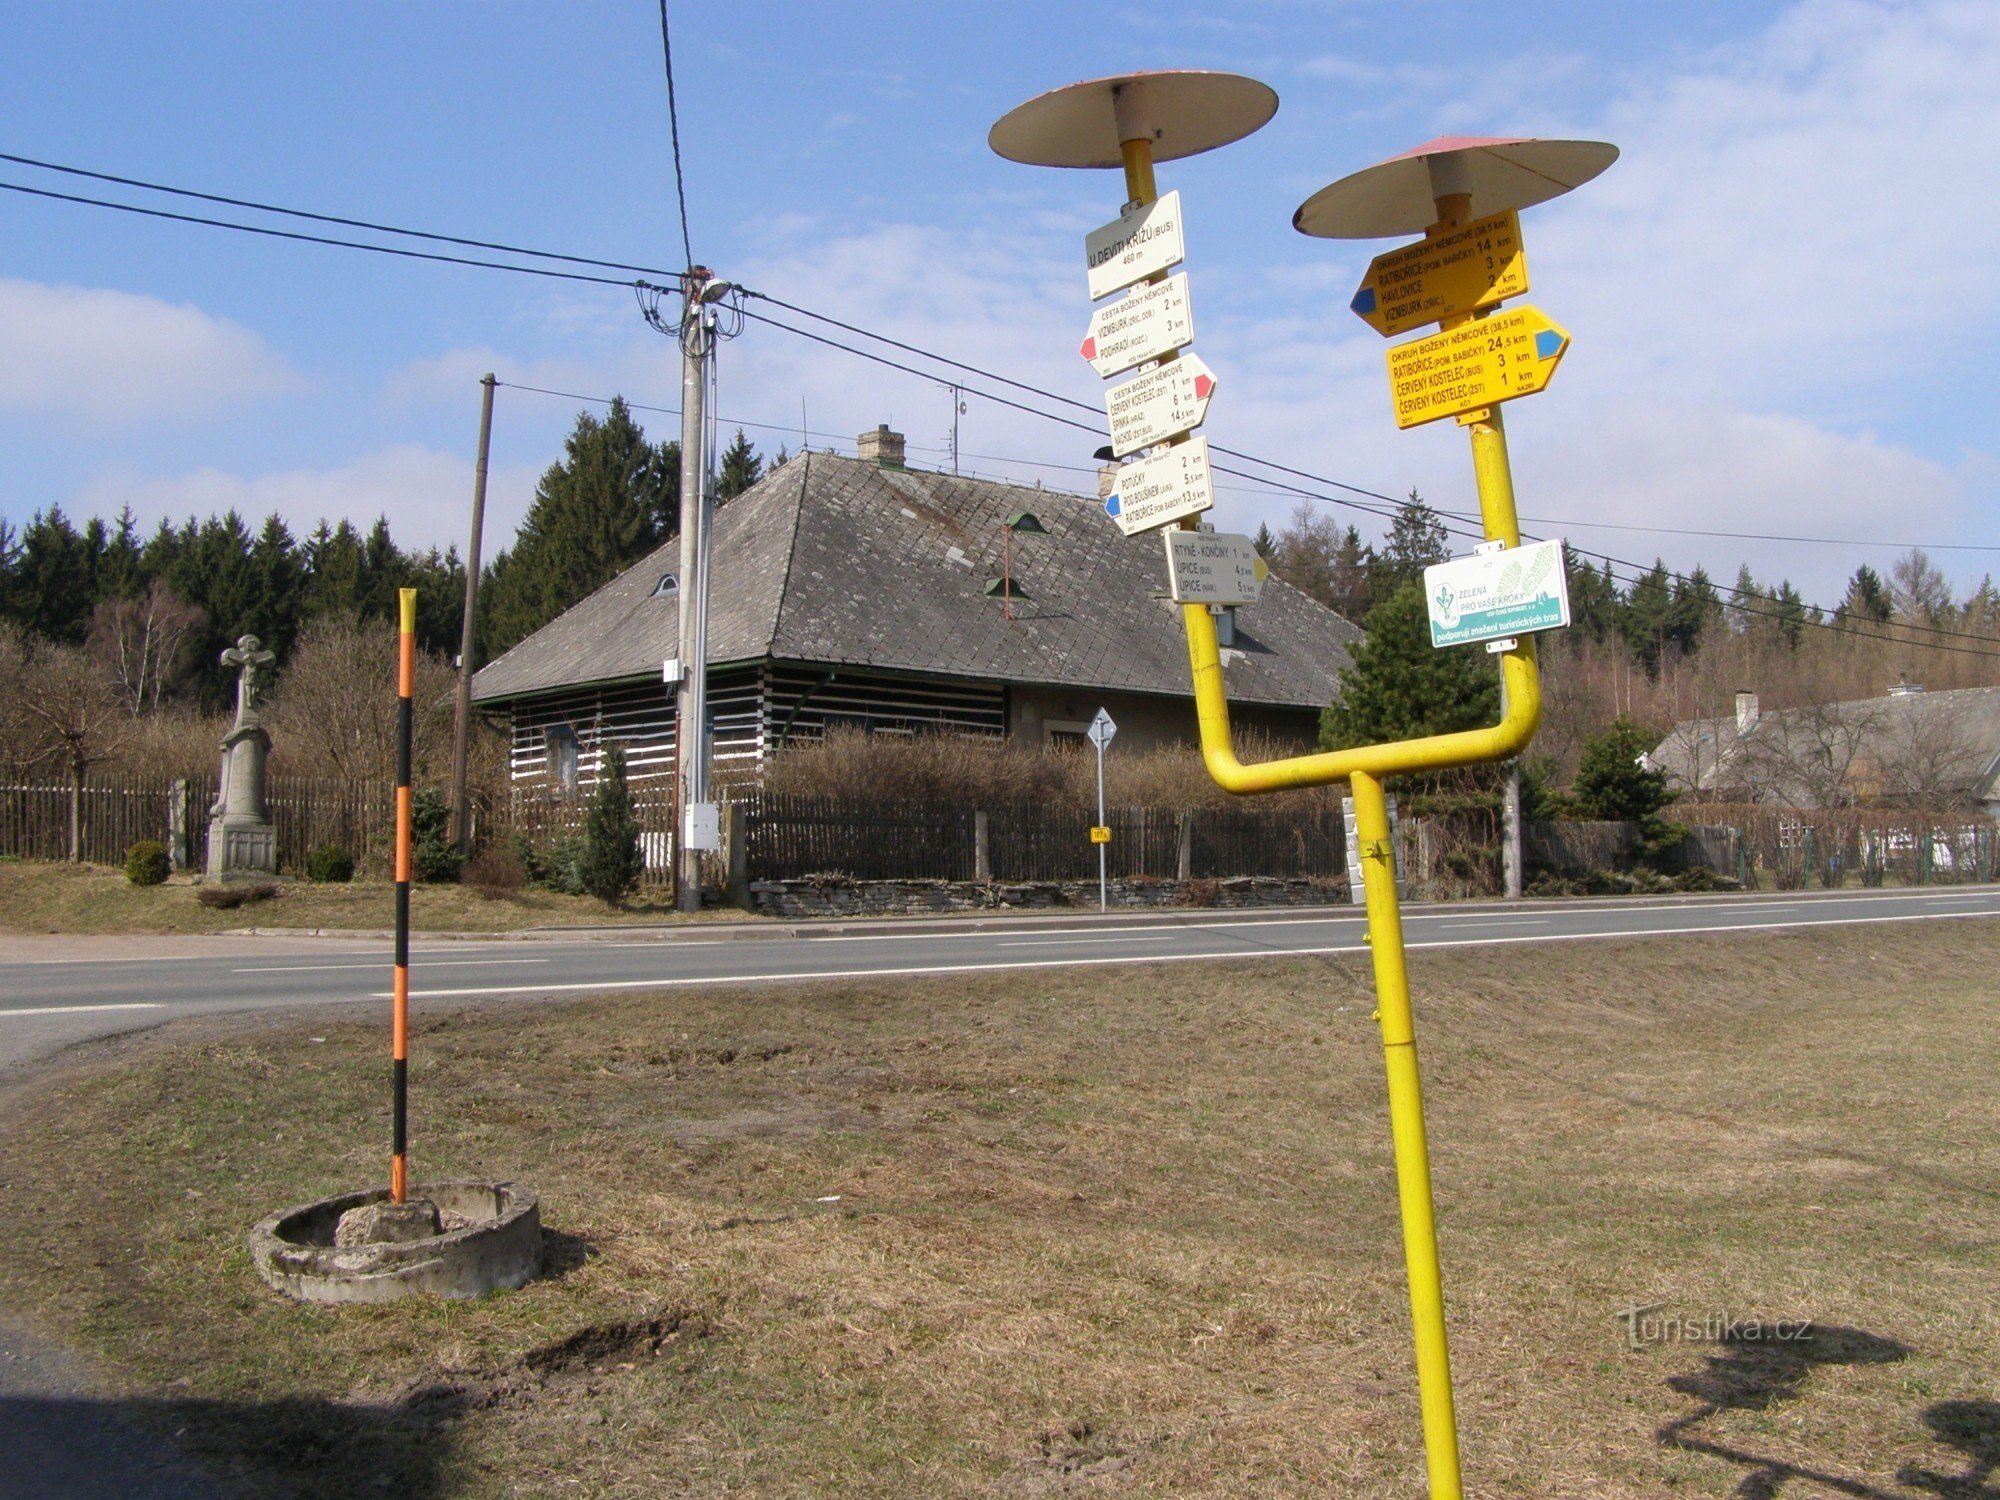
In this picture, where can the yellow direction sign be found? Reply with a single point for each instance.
(1458, 271)
(1491, 359)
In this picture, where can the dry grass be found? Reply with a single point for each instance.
(1094, 1230)
(38, 897)
(983, 772)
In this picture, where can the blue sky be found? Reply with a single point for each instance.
(1781, 297)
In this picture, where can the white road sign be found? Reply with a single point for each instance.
(1101, 730)
(1212, 567)
(1154, 321)
(1159, 404)
(1134, 245)
(1168, 486)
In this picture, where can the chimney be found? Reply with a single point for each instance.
(1107, 480)
(1746, 713)
(881, 446)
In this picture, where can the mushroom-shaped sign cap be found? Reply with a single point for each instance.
(1399, 196)
(1181, 113)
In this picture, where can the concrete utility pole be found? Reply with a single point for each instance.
(695, 826)
(461, 732)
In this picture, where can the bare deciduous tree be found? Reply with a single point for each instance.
(73, 716)
(333, 713)
(143, 643)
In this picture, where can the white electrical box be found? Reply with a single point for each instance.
(704, 826)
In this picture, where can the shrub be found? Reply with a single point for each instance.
(559, 865)
(1201, 892)
(434, 858)
(330, 864)
(146, 863)
(228, 897)
(1696, 878)
(495, 872)
(611, 861)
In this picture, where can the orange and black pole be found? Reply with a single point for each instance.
(406, 691)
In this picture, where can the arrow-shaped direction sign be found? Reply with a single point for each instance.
(1491, 359)
(1212, 567)
(1143, 326)
(1140, 241)
(1166, 487)
(1159, 404)
(1459, 271)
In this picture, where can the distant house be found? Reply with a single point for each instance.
(854, 591)
(1908, 747)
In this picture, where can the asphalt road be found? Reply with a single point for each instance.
(54, 991)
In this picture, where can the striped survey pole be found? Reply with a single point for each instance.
(399, 1051)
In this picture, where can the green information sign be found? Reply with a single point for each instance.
(1491, 596)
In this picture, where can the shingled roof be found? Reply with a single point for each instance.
(841, 561)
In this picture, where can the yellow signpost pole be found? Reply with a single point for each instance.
(1394, 197)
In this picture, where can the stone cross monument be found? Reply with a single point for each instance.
(242, 843)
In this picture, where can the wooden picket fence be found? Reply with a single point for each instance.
(790, 837)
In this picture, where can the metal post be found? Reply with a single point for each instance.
(1103, 889)
(1406, 1129)
(399, 1036)
(691, 707)
(461, 729)
(1510, 833)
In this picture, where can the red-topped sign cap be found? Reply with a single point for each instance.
(1181, 113)
(1399, 196)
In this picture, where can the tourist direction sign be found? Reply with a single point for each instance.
(1159, 404)
(1213, 567)
(1143, 326)
(1144, 239)
(1166, 487)
(1491, 596)
(1456, 271)
(1463, 369)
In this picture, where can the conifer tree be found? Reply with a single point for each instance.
(611, 499)
(1402, 687)
(740, 468)
(611, 861)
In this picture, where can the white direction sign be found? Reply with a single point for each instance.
(1213, 567)
(1166, 487)
(1101, 729)
(1140, 241)
(1154, 321)
(1159, 404)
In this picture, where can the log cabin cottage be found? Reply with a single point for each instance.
(855, 591)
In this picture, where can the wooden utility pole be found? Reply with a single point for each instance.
(461, 731)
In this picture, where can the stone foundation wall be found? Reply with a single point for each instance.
(837, 896)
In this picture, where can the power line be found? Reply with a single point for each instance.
(472, 243)
(312, 239)
(1096, 430)
(674, 129)
(320, 218)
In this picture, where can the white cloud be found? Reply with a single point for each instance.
(109, 356)
(425, 494)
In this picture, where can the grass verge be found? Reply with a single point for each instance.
(38, 897)
(1081, 1230)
